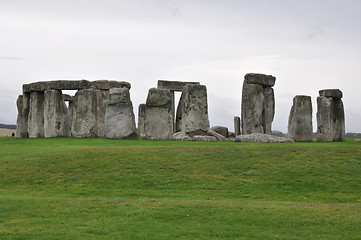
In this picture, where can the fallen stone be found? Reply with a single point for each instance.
(358, 140)
(300, 119)
(219, 137)
(202, 138)
(261, 79)
(119, 115)
(333, 93)
(262, 138)
(221, 130)
(179, 136)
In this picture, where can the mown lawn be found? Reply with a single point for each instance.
(66, 188)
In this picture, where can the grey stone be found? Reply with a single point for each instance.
(173, 85)
(159, 98)
(119, 115)
(36, 115)
(262, 138)
(300, 119)
(88, 113)
(179, 136)
(358, 140)
(261, 79)
(192, 112)
(221, 130)
(219, 137)
(155, 119)
(330, 120)
(22, 103)
(67, 98)
(333, 93)
(252, 109)
(268, 110)
(237, 125)
(231, 135)
(203, 138)
(56, 115)
(74, 85)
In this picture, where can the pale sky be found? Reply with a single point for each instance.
(307, 45)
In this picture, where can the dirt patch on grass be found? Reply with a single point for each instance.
(6, 132)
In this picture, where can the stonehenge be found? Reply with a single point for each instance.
(300, 119)
(103, 108)
(258, 104)
(330, 116)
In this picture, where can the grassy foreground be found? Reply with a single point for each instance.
(66, 188)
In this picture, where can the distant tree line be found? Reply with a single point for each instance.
(8, 126)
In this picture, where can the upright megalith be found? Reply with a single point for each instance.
(88, 113)
(155, 119)
(192, 113)
(300, 119)
(237, 125)
(330, 116)
(56, 115)
(36, 115)
(119, 115)
(22, 104)
(258, 104)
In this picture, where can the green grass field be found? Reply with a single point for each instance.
(66, 188)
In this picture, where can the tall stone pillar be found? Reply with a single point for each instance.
(300, 119)
(237, 125)
(88, 113)
(192, 113)
(36, 115)
(23, 104)
(330, 116)
(119, 116)
(155, 119)
(56, 115)
(258, 104)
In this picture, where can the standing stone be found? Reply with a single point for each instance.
(237, 125)
(56, 115)
(88, 113)
(36, 115)
(119, 116)
(258, 104)
(330, 116)
(22, 103)
(192, 113)
(155, 119)
(300, 119)
(252, 109)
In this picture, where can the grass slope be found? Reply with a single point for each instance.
(66, 188)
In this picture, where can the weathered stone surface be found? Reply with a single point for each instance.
(237, 125)
(268, 110)
(155, 119)
(261, 79)
(221, 130)
(231, 135)
(74, 85)
(56, 115)
(203, 138)
(179, 136)
(173, 85)
(192, 113)
(119, 115)
(330, 120)
(159, 98)
(252, 108)
(333, 93)
(22, 103)
(300, 119)
(67, 97)
(262, 138)
(36, 115)
(216, 135)
(88, 113)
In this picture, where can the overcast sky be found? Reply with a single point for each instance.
(307, 45)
